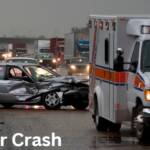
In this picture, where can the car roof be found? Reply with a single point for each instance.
(17, 64)
(21, 58)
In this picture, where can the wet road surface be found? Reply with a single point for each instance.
(76, 129)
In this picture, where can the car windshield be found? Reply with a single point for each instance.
(39, 74)
(32, 61)
(44, 50)
(145, 57)
(2, 72)
(79, 60)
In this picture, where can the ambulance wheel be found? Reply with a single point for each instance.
(100, 123)
(133, 120)
(137, 124)
(141, 131)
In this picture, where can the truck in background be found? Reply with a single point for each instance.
(69, 46)
(43, 53)
(57, 48)
(120, 83)
(76, 44)
(76, 53)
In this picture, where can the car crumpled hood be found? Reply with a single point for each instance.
(69, 79)
(61, 82)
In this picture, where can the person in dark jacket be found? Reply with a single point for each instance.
(119, 61)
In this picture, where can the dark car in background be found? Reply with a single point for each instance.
(78, 66)
(33, 84)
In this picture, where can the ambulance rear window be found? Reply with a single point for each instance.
(106, 51)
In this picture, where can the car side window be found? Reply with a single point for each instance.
(15, 72)
(135, 56)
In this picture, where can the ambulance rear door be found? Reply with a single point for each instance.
(104, 69)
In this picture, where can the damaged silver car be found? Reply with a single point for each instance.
(33, 84)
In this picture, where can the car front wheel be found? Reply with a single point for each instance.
(51, 101)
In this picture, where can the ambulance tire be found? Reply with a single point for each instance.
(100, 123)
(133, 126)
(141, 132)
(141, 129)
(138, 127)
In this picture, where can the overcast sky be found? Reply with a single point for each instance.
(56, 17)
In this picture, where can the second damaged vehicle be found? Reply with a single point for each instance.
(33, 84)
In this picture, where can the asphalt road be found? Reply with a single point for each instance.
(75, 128)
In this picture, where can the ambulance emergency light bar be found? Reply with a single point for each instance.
(145, 29)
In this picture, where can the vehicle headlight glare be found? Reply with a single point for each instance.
(58, 59)
(73, 67)
(54, 61)
(41, 61)
(147, 95)
(88, 67)
(9, 55)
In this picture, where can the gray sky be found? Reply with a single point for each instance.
(56, 17)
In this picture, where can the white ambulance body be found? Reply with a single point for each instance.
(118, 96)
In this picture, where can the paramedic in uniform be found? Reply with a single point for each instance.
(119, 60)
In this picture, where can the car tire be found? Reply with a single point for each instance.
(51, 101)
(8, 105)
(81, 101)
(80, 106)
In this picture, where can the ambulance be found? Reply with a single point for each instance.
(119, 94)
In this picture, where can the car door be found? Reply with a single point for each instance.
(23, 89)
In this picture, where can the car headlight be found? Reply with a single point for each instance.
(40, 61)
(73, 67)
(54, 61)
(147, 95)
